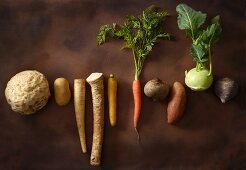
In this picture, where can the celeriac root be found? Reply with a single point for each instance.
(79, 106)
(97, 89)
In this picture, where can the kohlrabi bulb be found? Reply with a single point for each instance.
(198, 80)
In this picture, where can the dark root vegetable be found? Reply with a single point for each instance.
(156, 89)
(226, 89)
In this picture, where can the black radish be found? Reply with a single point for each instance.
(226, 89)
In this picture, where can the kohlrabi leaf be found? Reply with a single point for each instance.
(212, 33)
(190, 20)
(198, 53)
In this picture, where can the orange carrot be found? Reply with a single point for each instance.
(136, 88)
(141, 46)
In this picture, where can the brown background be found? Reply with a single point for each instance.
(58, 38)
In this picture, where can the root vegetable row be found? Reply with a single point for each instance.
(155, 89)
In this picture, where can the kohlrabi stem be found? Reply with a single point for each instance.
(210, 61)
(196, 66)
(199, 66)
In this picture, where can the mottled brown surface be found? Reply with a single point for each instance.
(57, 38)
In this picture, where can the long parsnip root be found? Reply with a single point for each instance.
(79, 106)
(97, 89)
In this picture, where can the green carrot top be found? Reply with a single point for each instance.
(140, 33)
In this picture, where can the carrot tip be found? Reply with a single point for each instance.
(137, 134)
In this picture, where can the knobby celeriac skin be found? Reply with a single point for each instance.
(191, 21)
(27, 92)
(97, 89)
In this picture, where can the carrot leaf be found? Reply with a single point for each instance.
(140, 34)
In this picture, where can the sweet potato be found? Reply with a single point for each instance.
(177, 103)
